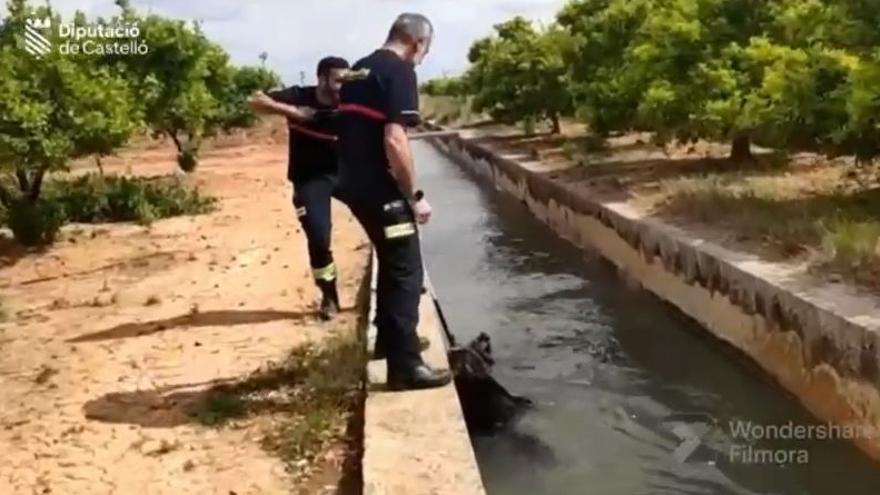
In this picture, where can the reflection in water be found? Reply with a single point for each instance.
(612, 370)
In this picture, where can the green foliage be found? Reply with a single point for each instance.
(174, 81)
(95, 199)
(62, 106)
(787, 74)
(170, 198)
(520, 73)
(446, 86)
(245, 82)
(35, 222)
(861, 132)
(186, 84)
(54, 108)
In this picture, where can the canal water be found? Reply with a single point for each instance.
(618, 377)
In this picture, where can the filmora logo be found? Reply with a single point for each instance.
(35, 42)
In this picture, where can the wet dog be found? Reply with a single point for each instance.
(487, 405)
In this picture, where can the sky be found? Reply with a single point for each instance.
(297, 33)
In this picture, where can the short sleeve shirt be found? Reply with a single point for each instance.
(313, 150)
(386, 92)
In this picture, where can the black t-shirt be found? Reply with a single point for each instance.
(387, 91)
(313, 149)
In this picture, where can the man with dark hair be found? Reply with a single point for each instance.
(379, 101)
(312, 165)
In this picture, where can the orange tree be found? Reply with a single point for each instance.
(54, 108)
(519, 74)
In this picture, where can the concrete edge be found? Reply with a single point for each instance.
(416, 442)
(820, 343)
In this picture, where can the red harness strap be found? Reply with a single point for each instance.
(313, 134)
(363, 110)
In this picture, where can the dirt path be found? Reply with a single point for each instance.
(114, 331)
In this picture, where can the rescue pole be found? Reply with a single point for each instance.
(487, 405)
(432, 134)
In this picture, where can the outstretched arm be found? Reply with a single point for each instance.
(261, 102)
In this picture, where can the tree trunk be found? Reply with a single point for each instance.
(37, 185)
(174, 138)
(741, 150)
(24, 184)
(100, 165)
(554, 120)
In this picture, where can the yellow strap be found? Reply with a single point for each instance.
(327, 273)
(400, 230)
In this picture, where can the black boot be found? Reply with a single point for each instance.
(329, 299)
(416, 377)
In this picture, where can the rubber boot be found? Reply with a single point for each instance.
(329, 299)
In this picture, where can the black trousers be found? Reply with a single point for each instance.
(390, 224)
(311, 198)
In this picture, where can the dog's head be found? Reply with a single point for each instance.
(482, 345)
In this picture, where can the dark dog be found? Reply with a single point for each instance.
(487, 405)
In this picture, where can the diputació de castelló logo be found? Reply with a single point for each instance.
(35, 42)
(73, 39)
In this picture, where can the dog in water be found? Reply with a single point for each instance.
(487, 405)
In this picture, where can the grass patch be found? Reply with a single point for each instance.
(311, 395)
(219, 408)
(840, 228)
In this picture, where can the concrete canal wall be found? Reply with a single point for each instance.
(416, 442)
(820, 342)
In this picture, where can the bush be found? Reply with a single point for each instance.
(171, 198)
(127, 201)
(83, 198)
(35, 223)
(95, 199)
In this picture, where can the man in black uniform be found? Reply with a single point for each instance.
(379, 100)
(312, 164)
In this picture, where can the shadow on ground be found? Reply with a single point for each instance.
(12, 252)
(221, 318)
(317, 390)
(164, 407)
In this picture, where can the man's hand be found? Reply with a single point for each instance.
(306, 113)
(422, 210)
(260, 100)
